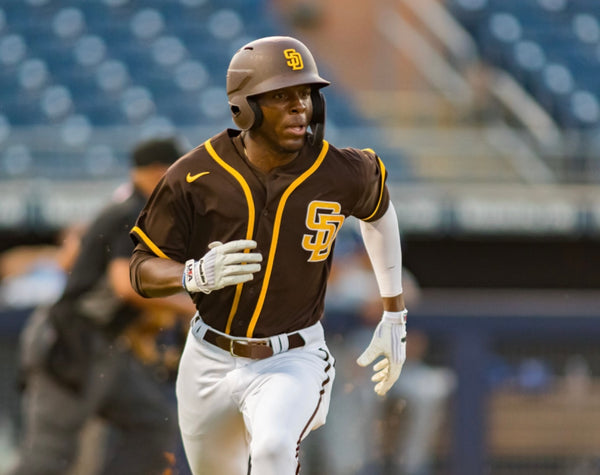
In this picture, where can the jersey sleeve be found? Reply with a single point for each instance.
(374, 201)
(163, 226)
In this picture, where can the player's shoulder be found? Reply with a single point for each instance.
(353, 155)
(197, 160)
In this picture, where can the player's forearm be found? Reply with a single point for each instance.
(382, 242)
(119, 278)
(155, 276)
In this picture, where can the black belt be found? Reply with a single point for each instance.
(256, 350)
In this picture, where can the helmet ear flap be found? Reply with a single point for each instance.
(258, 117)
(317, 124)
(245, 115)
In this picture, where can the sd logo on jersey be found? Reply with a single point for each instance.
(325, 219)
(294, 59)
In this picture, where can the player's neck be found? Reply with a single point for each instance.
(265, 156)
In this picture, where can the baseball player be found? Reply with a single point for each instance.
(75, 361)
(246, 223)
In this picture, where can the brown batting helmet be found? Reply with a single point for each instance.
(268, 64)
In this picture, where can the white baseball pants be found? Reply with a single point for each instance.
(231, 408)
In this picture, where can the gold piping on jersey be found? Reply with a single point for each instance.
(249, 230)
(276, 227)
(383, 174)
(155, 249)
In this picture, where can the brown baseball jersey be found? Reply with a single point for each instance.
(293, 212)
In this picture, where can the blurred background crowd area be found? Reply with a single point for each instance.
(486, 114)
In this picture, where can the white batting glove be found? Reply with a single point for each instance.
(224, 265)
(389, 340)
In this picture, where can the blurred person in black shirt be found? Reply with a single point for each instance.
(87, 354)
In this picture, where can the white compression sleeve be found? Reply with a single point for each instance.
(382, 242)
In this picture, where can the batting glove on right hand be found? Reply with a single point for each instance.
(224, 265)
(389, 340)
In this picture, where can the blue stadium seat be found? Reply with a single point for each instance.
(160, 82)
(498, 34)
(471, 13)
(33, 74)
(13, 50)
(138, 60)
(168, 51)
(178, 15)
(89, 51)
(225, 24)
(580, 110)
(82, 85)
(22, 110)
(181, 109)
(586, 6)
(586, 28)
(157, 126)
(56, 102)
(191, 76)
(68, 23)
(147, 24)
(137, 103)
(4, 128)
(75, 131)
(102, 111)
(9, 84)
(3, 22)
(555, 86)
(112, 76)
(21, 15)
(101, 160)
(16, 160)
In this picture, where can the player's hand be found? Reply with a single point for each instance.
(224, 265)
(389, 340)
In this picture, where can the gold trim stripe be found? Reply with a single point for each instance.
(276, 228)
(383, 174)
(155, 249)
(249, 230)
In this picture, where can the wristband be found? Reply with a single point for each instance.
(394, 317)
(193, 273)
(188, 273)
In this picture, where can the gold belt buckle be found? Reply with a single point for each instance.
(233, 341)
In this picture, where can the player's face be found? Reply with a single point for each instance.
(286, 115)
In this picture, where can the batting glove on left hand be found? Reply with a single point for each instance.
(389, 340)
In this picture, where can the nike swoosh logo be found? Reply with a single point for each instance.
(190, 178)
